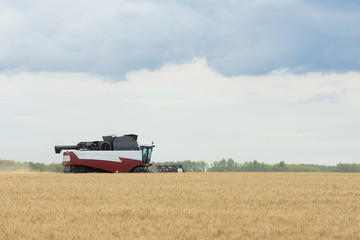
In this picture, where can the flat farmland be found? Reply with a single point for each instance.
(180, 206)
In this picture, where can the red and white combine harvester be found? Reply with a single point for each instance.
(113, 154)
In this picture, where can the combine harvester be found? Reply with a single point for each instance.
(113, 154)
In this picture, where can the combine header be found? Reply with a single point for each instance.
(113, 154)
(169, 168)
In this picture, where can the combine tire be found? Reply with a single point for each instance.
(140, 170)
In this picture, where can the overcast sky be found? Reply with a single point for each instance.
(266, 80)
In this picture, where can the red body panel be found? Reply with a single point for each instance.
(125, 165)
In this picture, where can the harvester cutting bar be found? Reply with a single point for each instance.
(169, 168)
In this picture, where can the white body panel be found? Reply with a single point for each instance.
(113, 156)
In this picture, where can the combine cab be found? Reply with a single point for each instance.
(113, 154)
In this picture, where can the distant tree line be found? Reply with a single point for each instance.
(224, 165)
(9, 165)
(230, 165)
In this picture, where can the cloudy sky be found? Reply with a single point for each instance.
(254, 79)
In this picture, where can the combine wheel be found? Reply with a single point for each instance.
(140, 170)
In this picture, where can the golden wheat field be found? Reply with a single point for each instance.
(180, 206)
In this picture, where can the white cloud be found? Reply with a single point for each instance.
(189, 110)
